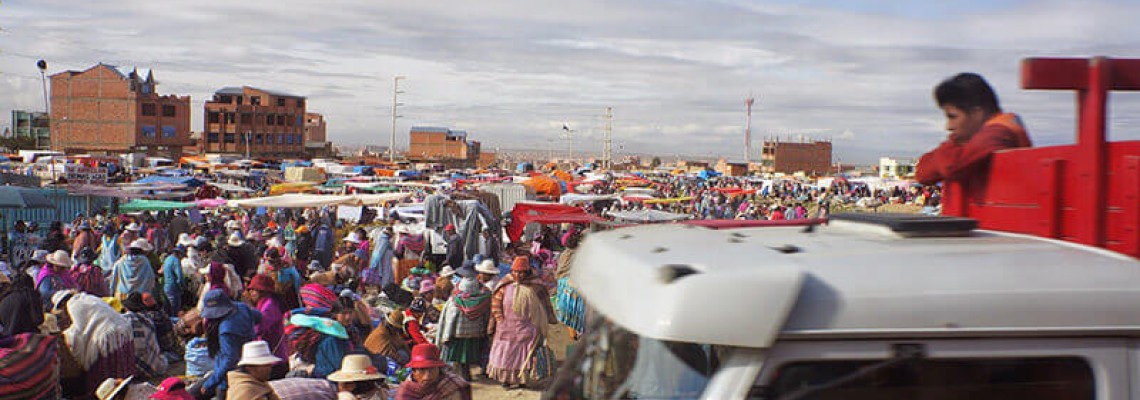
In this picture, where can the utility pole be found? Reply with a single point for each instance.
(748, 129)
(395, 103)
(608, 141)
(569, 142)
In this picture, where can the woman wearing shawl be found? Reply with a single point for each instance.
(319, 342)
(388, 339)
(521, 310)
(88, 276)
(133, 272)
(463, 325)
(98, 341)
(271, 329)
(54, 276)
(569, 307)
(109, 249)
(21, 307)
(429, 379)
(220, 276)
(379, 272)
(149, 360)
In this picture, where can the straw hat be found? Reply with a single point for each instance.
(111, 387)
(257, 353)
(133, 227)
(141, 244)
(235, 240)
(184, 240)
(487, 267)
(447, 271)
(355, 368)
(40, 255)
(59, 258)
(233, 225)
(352, 238)
(425, 356)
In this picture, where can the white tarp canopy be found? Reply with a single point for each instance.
(575, 198)
(301, 200)
(647, 216)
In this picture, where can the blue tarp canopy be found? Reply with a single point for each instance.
(174, 180)
(706, 174)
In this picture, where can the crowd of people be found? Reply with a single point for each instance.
(288, 303)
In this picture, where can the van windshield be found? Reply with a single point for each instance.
(618, 364)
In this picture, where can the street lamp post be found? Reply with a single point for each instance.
(395, 104)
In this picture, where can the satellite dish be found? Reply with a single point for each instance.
(42, 65)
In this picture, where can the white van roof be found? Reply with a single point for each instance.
(747, 287)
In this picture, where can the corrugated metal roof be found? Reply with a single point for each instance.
(239, 90)
(430, 129)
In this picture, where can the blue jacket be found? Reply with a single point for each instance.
(172, 272)
(330, 351)
(235, 330)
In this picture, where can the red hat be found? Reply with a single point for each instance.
(520, 264)
(449, 227)
(262, 282)
(425, 356)
(172, 389)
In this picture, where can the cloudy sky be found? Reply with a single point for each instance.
(512, 72)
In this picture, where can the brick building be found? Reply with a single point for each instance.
(315, 128)
(442, 144)
(810, 157)
(264, 123)
(33, 125)
(108, 110)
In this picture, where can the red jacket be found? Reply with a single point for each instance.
(964, 161)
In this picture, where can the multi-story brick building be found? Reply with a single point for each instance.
(259, 122)
(810, 157)
(443, 145)
(315, 128)
(108, 110)
(33, 125)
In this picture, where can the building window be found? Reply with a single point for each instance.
(269, 118)
(289, 120)
(212, 137)
(299, 118)
(280, 119)
(148, 131)
(212, 117)
(300, 139)
(255, 100)
(259, 139)
(230, 117)
(288, 139)
(168, 111)
(229, 138)
(148, 109)
(300, 103)
(246, 118)
(239, 99)
(280, 139)
(281, 102)
(168, 131)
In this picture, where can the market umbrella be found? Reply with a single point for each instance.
(153, 205)
(18, 197)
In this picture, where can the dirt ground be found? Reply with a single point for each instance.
(491, 390)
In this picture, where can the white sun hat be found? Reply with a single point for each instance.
(257, 353)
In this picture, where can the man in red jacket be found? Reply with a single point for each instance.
(977, 128)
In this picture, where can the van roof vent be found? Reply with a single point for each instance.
(913, 224)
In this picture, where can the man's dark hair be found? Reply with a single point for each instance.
(966, 91)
